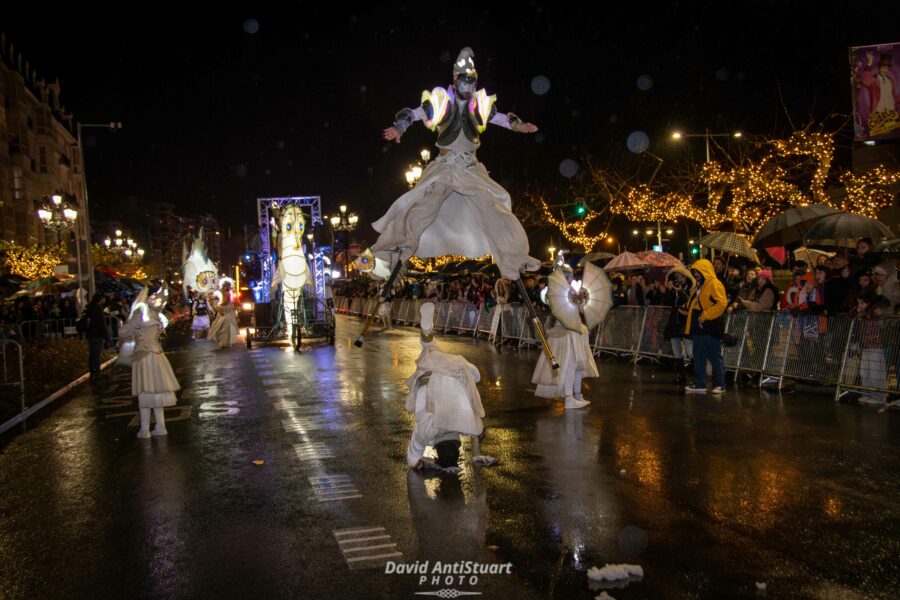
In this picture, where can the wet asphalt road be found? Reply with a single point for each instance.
(708, 496)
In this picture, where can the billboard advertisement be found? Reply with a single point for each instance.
(875, 81)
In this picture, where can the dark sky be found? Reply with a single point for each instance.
(216, 116)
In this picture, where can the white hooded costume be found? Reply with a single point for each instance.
(442, 395)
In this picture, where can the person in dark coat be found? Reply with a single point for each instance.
(97, 335)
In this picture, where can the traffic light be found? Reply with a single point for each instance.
(695, 250)
(580, 210)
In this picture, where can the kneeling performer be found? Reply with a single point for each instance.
(444, 399)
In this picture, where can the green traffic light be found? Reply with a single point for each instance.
(580, 209)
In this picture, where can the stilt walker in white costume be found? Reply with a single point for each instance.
(152, 379)
(443, 396)
(456, 208)
(224, 330)
(568, 338)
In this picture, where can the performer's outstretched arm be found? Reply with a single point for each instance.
(404, 119)
(512, 122)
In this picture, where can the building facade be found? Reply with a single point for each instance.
(39, 154)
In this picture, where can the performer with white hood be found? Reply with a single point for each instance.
(444, 399)
(152, 379)
(456, 208)
(568, 338)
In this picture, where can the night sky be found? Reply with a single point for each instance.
(221, 106)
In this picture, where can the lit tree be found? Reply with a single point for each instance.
(31, 262)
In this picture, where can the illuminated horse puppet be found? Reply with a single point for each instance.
(200, 273)
(293, 272)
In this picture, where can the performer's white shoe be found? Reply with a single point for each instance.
(427, 317)
(143, 434)
(574, 403)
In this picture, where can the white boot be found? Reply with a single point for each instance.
(144, 433)
(426, 321)
(160, 417)
(572, 402)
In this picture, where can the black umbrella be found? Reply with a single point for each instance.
(844, 229)
(788, 227)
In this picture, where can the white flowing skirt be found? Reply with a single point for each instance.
(200, 323)
(456, 208)
(567, 346)
(153, 381)
(224, 330)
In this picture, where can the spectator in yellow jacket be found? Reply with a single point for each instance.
(706, 325)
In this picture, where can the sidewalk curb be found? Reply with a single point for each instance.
(52, 397)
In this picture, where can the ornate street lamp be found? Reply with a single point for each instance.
(56, 215)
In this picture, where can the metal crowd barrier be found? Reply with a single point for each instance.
(621, 332)
(13, 365)
(853, 354)
(59, 328)
(871, 359)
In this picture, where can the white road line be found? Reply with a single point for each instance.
(359, 558)
(366, 539)
(366, 548)
(359, 530)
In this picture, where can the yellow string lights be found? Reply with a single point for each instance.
(426, 266)
(793, 172)
(575, 230)
(31, 262)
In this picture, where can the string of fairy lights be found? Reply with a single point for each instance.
(430, 265)
(575, 230)
(31, 262)
(763, 188)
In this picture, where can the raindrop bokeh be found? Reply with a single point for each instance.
(251, 26)
(637, 142)
(568, 168)
(644, 82)
(540, 85)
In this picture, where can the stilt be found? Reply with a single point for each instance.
(385, 294)
(536, 321)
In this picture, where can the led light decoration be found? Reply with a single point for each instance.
(437, 103)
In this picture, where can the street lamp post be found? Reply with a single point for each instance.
(345, 222)
(86, 227)
(414, 173)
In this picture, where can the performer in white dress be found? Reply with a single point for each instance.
(152, 379)
(443, 396)
(455, 208)
(569, 336)
(224, 330)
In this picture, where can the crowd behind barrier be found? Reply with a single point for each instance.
(850, 353)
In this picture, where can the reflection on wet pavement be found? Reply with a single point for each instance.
(275, 457)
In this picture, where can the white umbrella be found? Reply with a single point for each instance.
(626, 261)
(590, 296)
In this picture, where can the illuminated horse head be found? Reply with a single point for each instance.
(292, 271)
(200, 273)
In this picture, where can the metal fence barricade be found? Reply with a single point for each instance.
(13, 371)
(527, 334)
(621, 331)
(468, 321)
(455, 316)
(752, 332)
(485, 318)
(871, 359)
(441, 311)
(511, 322)
(653, 342)
(356, 307)
(816, 348)
(778, 350)
(412, 314)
